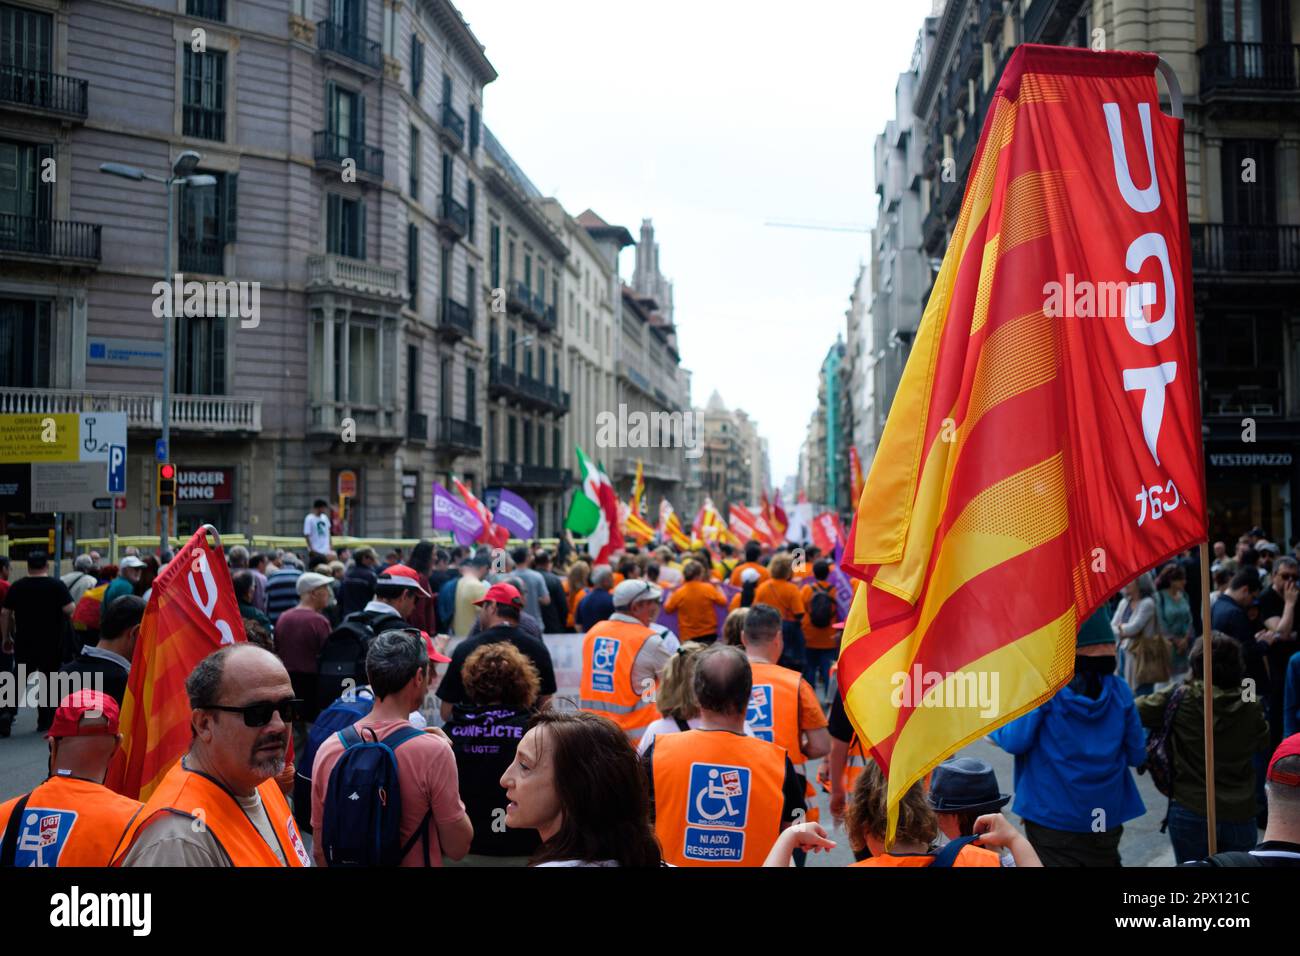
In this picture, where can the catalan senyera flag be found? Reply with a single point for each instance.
(670, 527)
(1037, 455)
(742, 521)
(191, 613)
(634, 526)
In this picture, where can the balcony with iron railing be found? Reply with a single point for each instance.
(453, 217)
(351, 45)
(1249, 70)
(454, 434)
(343, 273)
(193, 413)
(453, 125)
(331, 148)
(504, 381)
(49, 240)
(455, 321)
(1228, 250)
(970, 55)
(519, 298)
(36, 91)
(528, 476)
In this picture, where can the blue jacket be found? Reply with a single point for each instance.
(1291, 698)
(1073, 756)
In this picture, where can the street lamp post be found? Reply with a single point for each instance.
(182, 175)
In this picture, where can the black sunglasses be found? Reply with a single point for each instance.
(259, 714)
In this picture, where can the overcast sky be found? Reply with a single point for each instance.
(712, 118)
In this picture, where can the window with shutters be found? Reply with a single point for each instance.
(345, 226)
(494, 254)
(1255, 202)
(203, 105)
(471, 202)
(26, 331)
(471, 395)
(417, 65)
(200, 356)
(556, 449)
(528, 443)
(207, 9)
(446, 371)
(413, 264)
(512, 445)
(414, 160)
(541, 364)
(512, 341)
(26, 39)
(206, 222)
(474, 122)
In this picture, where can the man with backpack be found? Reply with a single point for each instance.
(384, 793)
(820, 634)
(341, 665)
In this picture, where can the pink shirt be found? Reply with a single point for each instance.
(426, 767)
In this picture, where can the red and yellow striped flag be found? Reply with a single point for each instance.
(1038, 454)
(634, 526)
(191, 613)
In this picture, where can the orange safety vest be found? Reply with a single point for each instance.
(967, 856)
(69, 822)
(773, 712)
(192, 794)
(718, 797)
(608, 652)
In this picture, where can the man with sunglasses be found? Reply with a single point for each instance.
(220, 805)
(1277, 615)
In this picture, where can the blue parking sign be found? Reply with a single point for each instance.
(116, 469)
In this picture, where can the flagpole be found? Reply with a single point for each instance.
(1207, 659)
(1170, 76)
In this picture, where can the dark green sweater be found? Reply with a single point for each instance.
(1240, 732)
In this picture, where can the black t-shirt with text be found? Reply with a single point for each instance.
(484, 740)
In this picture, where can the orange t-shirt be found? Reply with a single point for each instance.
(818, 638)
(782, 595)
(763, 573)
(694, 602)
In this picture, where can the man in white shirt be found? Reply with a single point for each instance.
(316, 530)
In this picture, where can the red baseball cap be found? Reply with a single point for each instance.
(432, 650)
(83, 704)
(1287, 748)
(502, 593)
(402, 576)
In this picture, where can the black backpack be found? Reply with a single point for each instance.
(341, 664)
(821, 609)
(1160, 753)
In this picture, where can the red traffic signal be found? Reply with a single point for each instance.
(166, 485)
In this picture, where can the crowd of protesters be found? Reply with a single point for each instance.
(349, 669)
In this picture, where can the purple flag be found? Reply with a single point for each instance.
(514, 515)
(451, 513)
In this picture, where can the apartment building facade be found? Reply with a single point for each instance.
(343, 139)
(526, 448)
(734, 467)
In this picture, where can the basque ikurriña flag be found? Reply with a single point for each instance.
(191, 613)
(1038, 454)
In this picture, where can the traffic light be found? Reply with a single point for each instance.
(166, 485)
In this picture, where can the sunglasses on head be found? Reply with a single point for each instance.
(258, 714)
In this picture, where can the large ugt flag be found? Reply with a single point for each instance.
(1034, 460)
(191, 613)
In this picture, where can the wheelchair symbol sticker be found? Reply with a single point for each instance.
(716, 813)
(43, 836)
(759, 713)
(604, 651)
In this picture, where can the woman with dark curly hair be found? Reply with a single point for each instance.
(577, 781)
(501, 687)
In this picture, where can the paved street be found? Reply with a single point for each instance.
(23, 760)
